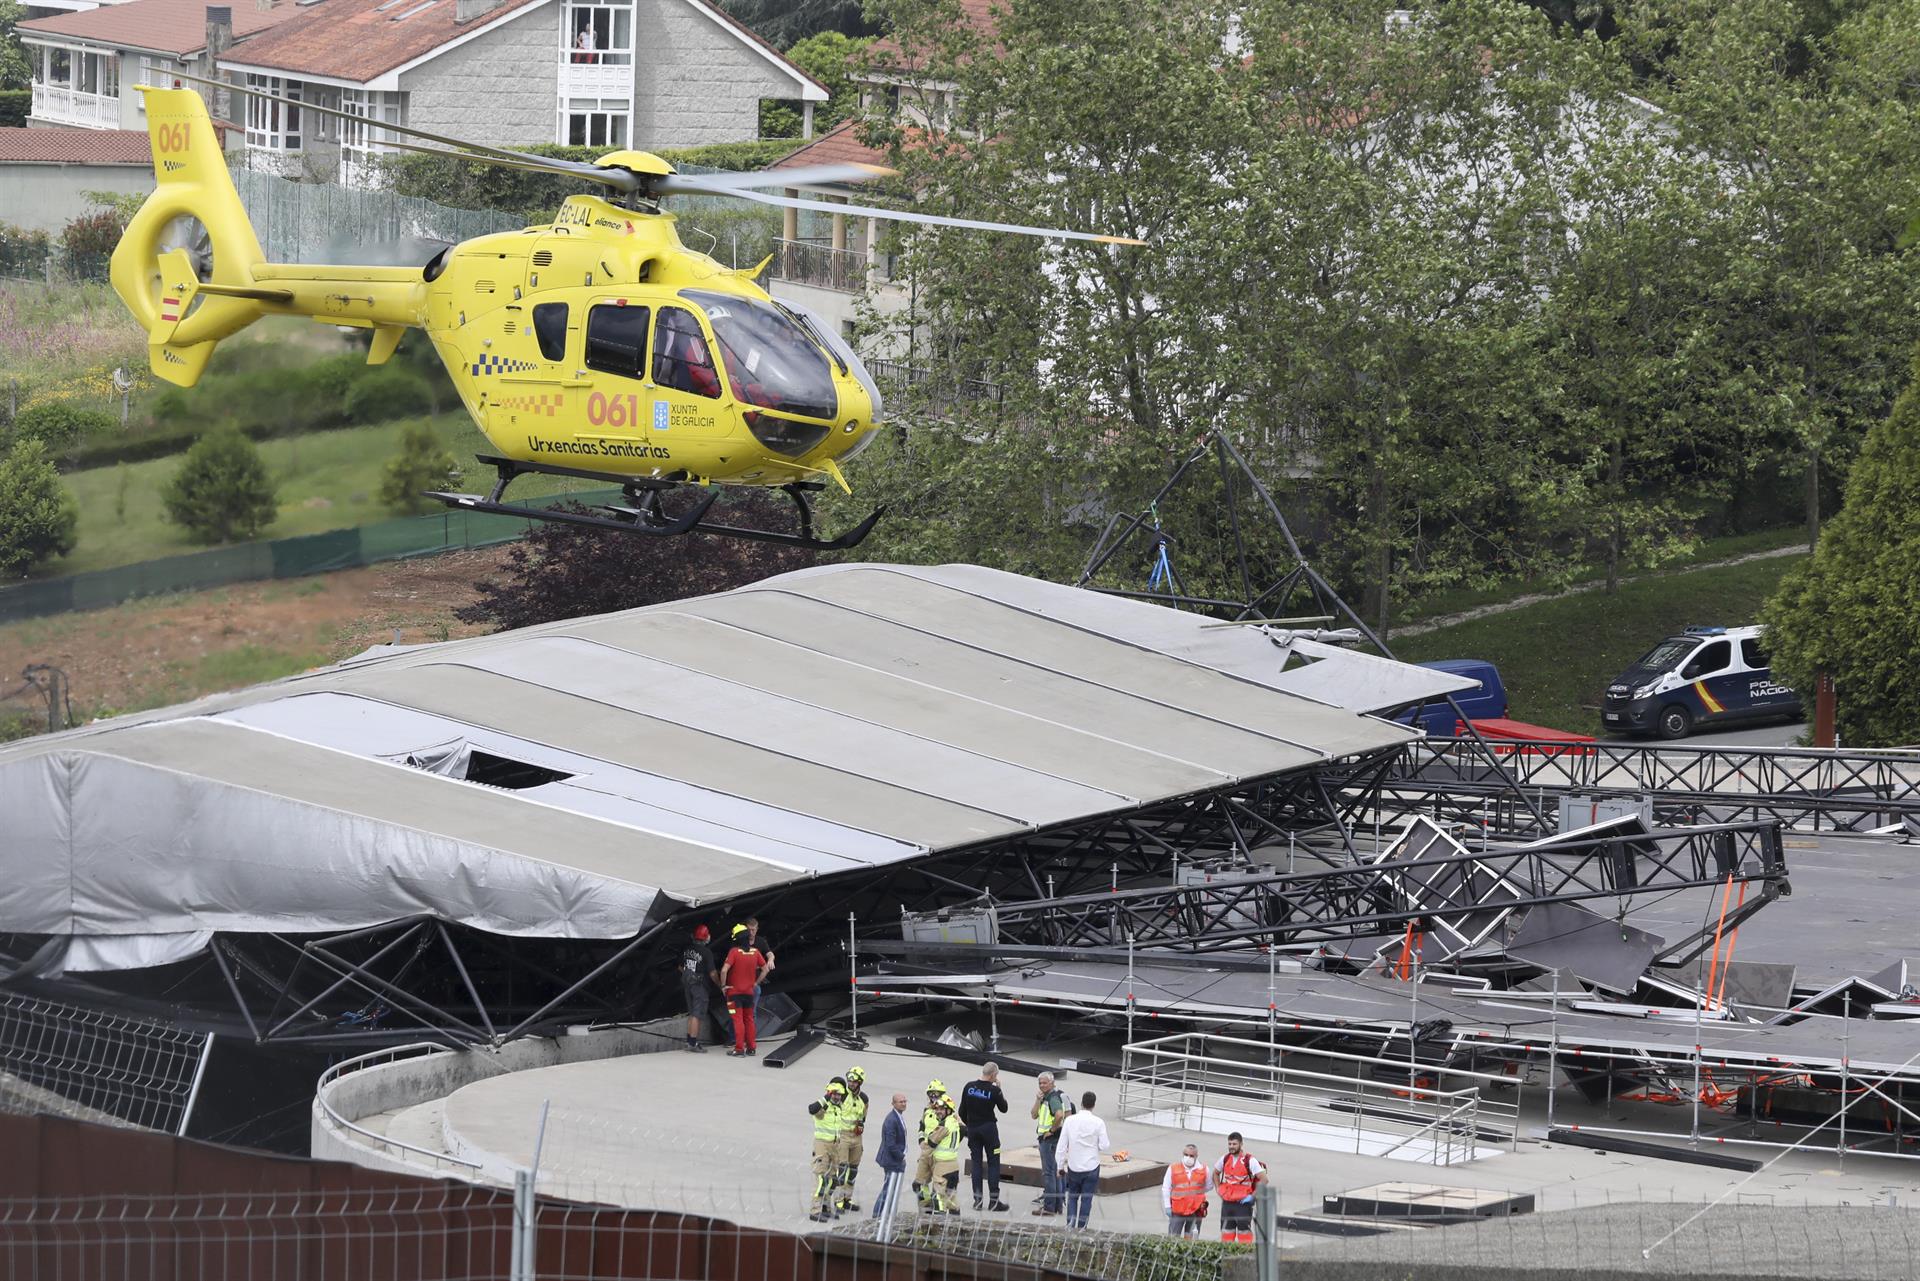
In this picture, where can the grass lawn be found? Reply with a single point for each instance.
(327, 480)
(1460, 600)
(1558, 656)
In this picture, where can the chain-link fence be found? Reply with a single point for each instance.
(451, 530)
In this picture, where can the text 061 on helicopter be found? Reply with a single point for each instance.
(595, 346)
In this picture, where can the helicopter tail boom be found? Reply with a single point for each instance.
(191, 270)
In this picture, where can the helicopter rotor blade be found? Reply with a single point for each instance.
(711, 184)
(908, 215)
(619, 179)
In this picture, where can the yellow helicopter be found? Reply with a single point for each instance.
(595, 346)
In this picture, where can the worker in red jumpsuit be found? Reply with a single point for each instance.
(739, 974)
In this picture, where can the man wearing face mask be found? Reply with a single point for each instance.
(1183, 1194)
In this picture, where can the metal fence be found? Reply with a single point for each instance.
(451, 530)
(1368, 1105)
(96, 1065)
(325, 222)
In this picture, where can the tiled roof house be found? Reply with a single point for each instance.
(612, 73)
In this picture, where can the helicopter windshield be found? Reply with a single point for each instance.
(770, 360)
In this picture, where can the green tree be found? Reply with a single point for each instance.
(829, 57)
(1808, 114)
(221, 492)
(784, 22)
(422, 463)
(37, 513)
(1853, 610)
(15, 71)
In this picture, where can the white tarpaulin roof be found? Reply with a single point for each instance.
(576, 779)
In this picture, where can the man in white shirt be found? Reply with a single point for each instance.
(1083, 1137)
(1183, 1194)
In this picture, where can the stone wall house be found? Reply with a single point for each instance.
(599, 73)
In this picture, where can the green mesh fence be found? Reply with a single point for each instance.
(275, 558)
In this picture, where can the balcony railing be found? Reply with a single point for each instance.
(70, 106)
(940, 393)
(812, 262)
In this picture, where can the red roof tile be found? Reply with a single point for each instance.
(838, 145)
(354, 40)
(164, 26)
(75, 147)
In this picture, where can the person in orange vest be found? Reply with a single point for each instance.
(1239, 1175)
(1183, 1193)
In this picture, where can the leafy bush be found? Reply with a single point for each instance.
(57, 425)
(92, 235)
(385, 394)
(222, 492)
(561, 571)
(37, 514)
(23, 252)
(14, 106)
(423, 463)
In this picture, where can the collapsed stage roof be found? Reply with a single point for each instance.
(578, 779)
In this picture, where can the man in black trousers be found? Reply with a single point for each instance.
(978, 1104)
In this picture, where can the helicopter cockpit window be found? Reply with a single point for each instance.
(550, 328)
(770, 359)
(680, 356)
(616, 339)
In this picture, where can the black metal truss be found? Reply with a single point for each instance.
(1813, 791)
(1375, 898)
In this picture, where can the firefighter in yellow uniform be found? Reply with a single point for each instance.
(853, 1124)
(923, 1168)
(827, 1117)
(944, 1139)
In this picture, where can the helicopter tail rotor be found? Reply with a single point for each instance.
(184, 268)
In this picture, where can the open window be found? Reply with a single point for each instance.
(617, 339)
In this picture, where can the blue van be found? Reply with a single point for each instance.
(1486, 701)
(1703, 676)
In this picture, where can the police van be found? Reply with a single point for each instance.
(1704, 676)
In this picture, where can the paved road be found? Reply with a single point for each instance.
(1764, 734)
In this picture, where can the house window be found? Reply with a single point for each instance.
(600, 34)
(597, 122)
(361, 139)
(274, 126)
(97, 73)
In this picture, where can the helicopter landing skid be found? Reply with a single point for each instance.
(642, 512)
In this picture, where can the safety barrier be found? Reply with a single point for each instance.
(1366, 1104)
(451, 530)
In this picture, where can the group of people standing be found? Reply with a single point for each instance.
(1183, 1193)
(1071, 1140)
(738, 975)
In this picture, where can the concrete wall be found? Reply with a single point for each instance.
(696, 80)
(45, 197)
(502, 87)
(412, 1081)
